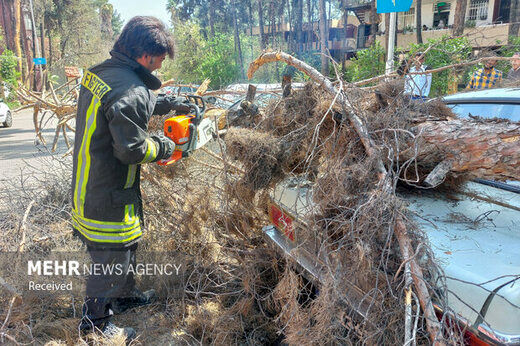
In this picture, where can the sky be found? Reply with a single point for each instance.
(131, 8)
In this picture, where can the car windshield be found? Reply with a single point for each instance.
(487, 110)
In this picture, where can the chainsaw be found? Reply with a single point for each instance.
(192, 130)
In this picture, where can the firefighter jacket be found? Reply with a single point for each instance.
(114, 105)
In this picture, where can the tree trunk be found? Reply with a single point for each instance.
(473, 148)
(238, 48)
(310, 33)
(460, 16)
(7, 24)
(17, 38)
(344, 4)
(212, 17)
(250, 7)
(49, 63)
(299, 25)
(323, 39)
(261, 24)
(418, 20)
(42, 39)
(345, 34)
(271, 23)
(514, 19)
(291, 38)
(106, 12)
(373, 22)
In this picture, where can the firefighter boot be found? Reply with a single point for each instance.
(136, 298)
(110, 331)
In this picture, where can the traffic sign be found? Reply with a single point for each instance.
(40, 61)
(388, 6)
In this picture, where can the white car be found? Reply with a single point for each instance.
(6, 119)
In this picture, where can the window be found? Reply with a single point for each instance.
(406, 19)
(478, 10)
(441, 14)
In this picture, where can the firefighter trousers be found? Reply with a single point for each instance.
(108, 280)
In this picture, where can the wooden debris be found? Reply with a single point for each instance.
(62, 107)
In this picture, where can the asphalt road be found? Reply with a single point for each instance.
(21, 154)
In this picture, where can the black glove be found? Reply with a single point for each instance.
(162, 105)
(165, 104)
(180, 105)
(166, 147)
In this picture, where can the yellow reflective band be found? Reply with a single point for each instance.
(83, 167)
(129, 212)
(107, 226)
(95, 84)
(107, 238)
(151, 153)
(130, 177)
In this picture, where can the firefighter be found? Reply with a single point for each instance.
(114, 106)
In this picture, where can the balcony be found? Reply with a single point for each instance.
(480, 36)
(358, 3)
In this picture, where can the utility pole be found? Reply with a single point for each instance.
(37, 44)
(391, 44)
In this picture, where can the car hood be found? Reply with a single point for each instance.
(475, 238)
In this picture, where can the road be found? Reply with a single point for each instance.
(20, 153)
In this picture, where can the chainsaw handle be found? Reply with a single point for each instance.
(198, 101)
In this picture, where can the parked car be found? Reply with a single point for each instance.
(6, 118)
(478, 252)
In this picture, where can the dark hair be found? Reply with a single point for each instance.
(144, 35)
(403, 68)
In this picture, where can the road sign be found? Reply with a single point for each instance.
(388, 6)
(40, 61)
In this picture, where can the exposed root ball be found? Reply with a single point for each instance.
(261, 154)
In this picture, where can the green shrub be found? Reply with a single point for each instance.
(8, 64)
(507, 51)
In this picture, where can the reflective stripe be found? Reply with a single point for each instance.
(130, 177)
(151, 152)
(104, 237)
(129, 212)
(83, 168)
(107, 226)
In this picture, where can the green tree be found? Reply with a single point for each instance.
(197, 58)
(368, 63)
(445, 51)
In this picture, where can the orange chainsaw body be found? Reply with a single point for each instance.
(177, 129)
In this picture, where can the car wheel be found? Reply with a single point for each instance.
(8, 120)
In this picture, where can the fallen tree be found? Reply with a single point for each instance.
(391, 133)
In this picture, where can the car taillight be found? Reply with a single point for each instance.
(473, 340)
(470, 339)
(282, 221)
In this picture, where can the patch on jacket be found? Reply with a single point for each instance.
(95, 84)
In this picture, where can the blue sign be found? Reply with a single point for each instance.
(387, 6)
(40, 61)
